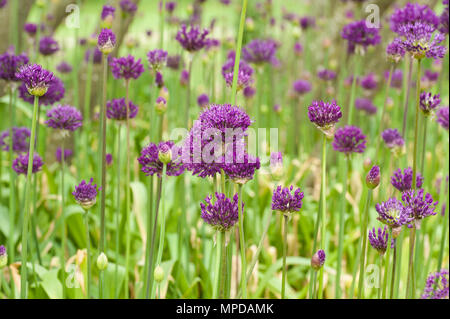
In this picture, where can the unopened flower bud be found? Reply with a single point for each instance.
(373, 177)
(164, 93)
(159, 274)
(296, 32)
(318, 259)
(102, 261)
(367, 164)
(161, 105)
(249, 24)
(165, 154)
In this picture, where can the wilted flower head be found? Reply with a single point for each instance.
(437, 283)
(55, 93)
(20, 164)
(157, 59)
(67, 154)
(126, 68)
(64, 117)
(360, 36)
(283, 200)
(192, 40)
(442, 117)
(36, 79)
(223, 214)
(106, 41)
(10, 64)
(373, 177)
(260, 51)
(349, 139)
(403, 182)
(378, 239)
(301, 87)
(365, 105)
(318, 259)
(48, 46)
(116, 109)
(20, 139)
(393, 213)
(429, 102)
(86, 194)
(151, 163)
(420, 206)
(325, 116)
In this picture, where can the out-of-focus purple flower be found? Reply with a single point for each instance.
(128, 6)
(397, 78)
(301, 87)
(429, 102)
(192, 40)
(395, 50)
(244, 74)
(173, 62)
(36, 79)
(86, 194)
(106, 41)
(325, 116)
(225, 2)
(212, 44)
(283, 200)
(108, 158)
(157, 59)
(307, 22)
(54, 93)
(430, 76)
(3, 253)
(412, 13)
(444, 18)
(159, 80)
(349, 139)
(403, 182)
(436, 286)
(30, 29)
(116, 110)
(249, 92)
(10, 64)
(3, 3)
(223, 214)
(64, 67)
(20, 164)
(392, 138)
(64, 117)
(442, 117)
(126, 68)
(373, 177)
(260, 51)
(378, 239)
(151, 163)
(298, 48)
(369, 82)
(243, 171)
(365, 105)
(97, 55)
(420, 206)
(203, 100)
(318, 259)
(393, 214)
(20, 139)
(184, 77)
(48, 46)
(170, 6)
(67, 154)
(359, 36)
(326, 75)
(108, 11)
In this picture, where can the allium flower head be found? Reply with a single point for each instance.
(444, 18)
(301, 87)
(64, 117)
(249, 92)
(203, 100)
(64, 67)
(128, 6)
(151, 163)
(373, 177)
(55, 93)
(393, 139)
(369, 82)
(395, 50)
(86, 194)
(260, 51)
(20, 164)
(116, 110)
(365, 105)
(429, 102)
(48, 46)
(36, 79)
(108, 158)
(360, 36)
(222, 214)
(108, 11)
(126, 68)
(421, 42)
(192, 39)
(20, 136)
(30, 29)
(244, 74)
(170, 6)
(242, 171)
(349, 139)
(307, 22)
(325, 116)
(442, 117)
(173, 62)
(326, 75)
(157, 59)
(437, 284)
(106, 41)
(318, 259)
(10, 64)
(67, 154)
(283, 200)
(378, 239)
(393, 214)
(420, 206)
(403, 182)
(396, 79)
(412, 13)
(184, 77)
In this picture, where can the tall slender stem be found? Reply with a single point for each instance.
(410, 286)
(88, 254)
(416, 125)
(364, 245)
(223, 265)
(12, 181)
(283, 279)
(26, 212)
(188, 93)
(323, 209)
(424, 145)
(128, 192)
(162, 22)
(351, 105)
(63, 223)
(380, 272)
(394, 263)
(386, 264)
(406, 91)
(242, 244)
(238, 51)
(217, 265)
(116, 275)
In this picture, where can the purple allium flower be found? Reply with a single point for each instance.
(395, 50)
(159, 80)
(173, 62)
(223, 214)
(151, 164)
(64, 117)
(444, 18)
(392, 138)
(116, 110)
(37, 80)
(430, 76)
(170, 6)
(10, 64)
(403, 182)
(378, 239)
(442, 117)
(20, 164)
(128, 6)
(393, 214)
(245, 73)
(86, 194)
(157, 59)
(326, 75)
(249, 92)
(359, 35)
(3, 254)
(97, 55)
(373, 177)
(223, 117)
(307, 22)
(260, 51)
(126, 68)
(397, 78)
(48, 46)
(212, 44)
(420, 206)
(106, 41)
(365, 105)
(369, 82)
(349, 139)
(242, 171)
(429, 102)
(64, 67)
(108, 158)
(192, 40)
(301, 87)
(298, 48)
(3, 3)
(67, 154)
(437, 283)
(225, 2)
(108, 11)
(412, 13)
(420, 41)
(318, 259)
(203, 100)
(20, 139)
(54, 93)
(325, 116)
(30, 29)
(283, 200)
(184, 77)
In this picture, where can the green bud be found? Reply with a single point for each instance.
(159, 274)
(165, 154)
(102, 261)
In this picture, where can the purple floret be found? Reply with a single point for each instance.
(349, 139)
(301, 87)
(420, 206)
(192, 39)
(151, 164)
(86, 194)
(392, 138)
(324, 115)
(413, 13)
(20, 164)
(369, 82)
(126, 68)
(223, 214)
(64, 67)
(64, 117)
(245, 73)
(393, 213)
(116, 110)
(326, 75)
(378, 239)
(429, 102)
(260, 51)
(107, 11)
(283, 200)
(20, 140)
(157, 59)
(403, 182)
(36, 79)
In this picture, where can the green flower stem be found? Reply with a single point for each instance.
(188, 92)
(445, 221)
(364, 226)
(380, 267)
(217, 264)
(12, 178)
(313, 273)
(416, 125)
(424, 145)
(223, 266)
(238, 51)
(26, 212)
(386, 96)
(398, 267)
(410, 286)
(351, 105)
(128, 193)
(394, 263)
(162, 21)
(88, 255)
(63, 224)
(87, 110)
(283, 279)
(323, 209)
(406, 92)
(242, 243)
(386, 265)
(116, 274)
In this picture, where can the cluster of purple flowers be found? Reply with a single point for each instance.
(318, 259)
(421, 205)
(301, 87)
(393, 213)
(192, 39)
(429, 102)
(325, 116)
(48, 46)
(359, 35)
(116, 110)
(157, 59)
(349, 139)
(403, 182)
(244, 74)
(36, 79)
(86, 194)
(67, 154)
(378, 239)
(126, 68)
(260, 51)
(20, 139)
(128, 6)
(366, 105)
(64, 117)
(284, 201)
(442, 117)
(20, 164)
(64, 67)
(106, 41)
(326, 75)
(223, 214)
(151, 164)
(393, 139)
(396, 78)
(369, 82)
(55, 93)
(437, 283)
(10, 64)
